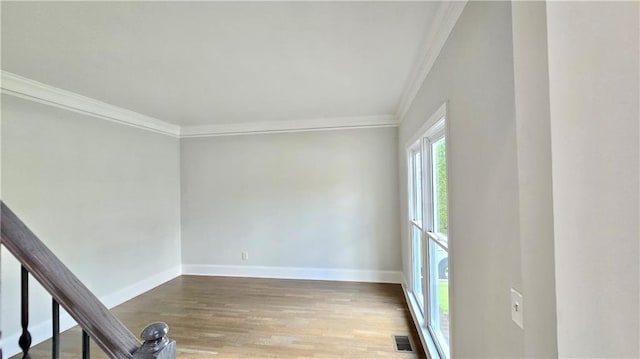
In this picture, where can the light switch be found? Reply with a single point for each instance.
(517, 308)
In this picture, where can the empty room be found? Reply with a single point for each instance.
(320, 179)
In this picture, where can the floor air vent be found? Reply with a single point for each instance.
(402, 343)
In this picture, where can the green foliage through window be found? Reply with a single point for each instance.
(440, 164)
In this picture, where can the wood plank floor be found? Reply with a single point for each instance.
(223, 317)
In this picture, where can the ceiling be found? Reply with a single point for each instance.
(216, 63)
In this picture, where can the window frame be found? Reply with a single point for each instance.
(414, 223)
(434, 129)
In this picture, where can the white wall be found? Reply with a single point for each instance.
(474, 73)
(593, 71)
(531, 79)
(304, 200)
(104, 197)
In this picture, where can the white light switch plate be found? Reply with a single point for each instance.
(517, 308)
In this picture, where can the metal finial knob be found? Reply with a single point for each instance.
(156, 343)
(154, 331)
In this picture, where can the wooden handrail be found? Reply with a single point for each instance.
(87, 310)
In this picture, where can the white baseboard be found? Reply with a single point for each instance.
(135, 289)
(347, 275)
(42, 331)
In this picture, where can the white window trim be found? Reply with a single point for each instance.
(413, 223)
(440, 113)
(436, 125)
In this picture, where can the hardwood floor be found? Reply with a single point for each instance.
(223, 317)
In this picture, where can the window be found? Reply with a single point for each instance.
(416, 226)
(428, 212)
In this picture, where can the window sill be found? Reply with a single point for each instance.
(418, 319)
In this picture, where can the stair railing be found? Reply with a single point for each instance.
(66, 290)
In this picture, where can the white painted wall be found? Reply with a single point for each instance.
(104, 197)
(593, 72)
(531, 78)
(304, 200)
(474, 73)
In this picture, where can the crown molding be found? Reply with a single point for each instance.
(318, 124)
(442, 25)
(23, 87)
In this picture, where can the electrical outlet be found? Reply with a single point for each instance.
(517, 308)
(245, 256)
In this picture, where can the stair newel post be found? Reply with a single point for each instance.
(25, 338)
(156, 343)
